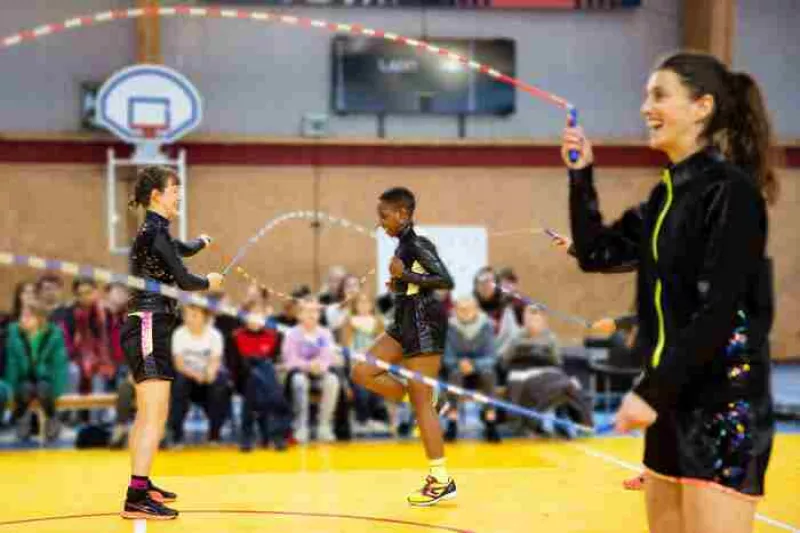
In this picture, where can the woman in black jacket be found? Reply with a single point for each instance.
(704, 293)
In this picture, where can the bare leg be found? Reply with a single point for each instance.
(663, 505)
(710, 510)
(375, 379)
(421, 396)
(152, 400)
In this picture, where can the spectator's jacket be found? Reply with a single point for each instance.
(86, 335)
(300, 351)
(473, 341)
(528, 352)
(43, 358)
(261, 344)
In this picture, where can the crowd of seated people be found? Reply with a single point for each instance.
(290, 382)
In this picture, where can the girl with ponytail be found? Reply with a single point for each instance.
(704, 293)
(145, 336)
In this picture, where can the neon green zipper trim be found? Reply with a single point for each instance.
(656, 359)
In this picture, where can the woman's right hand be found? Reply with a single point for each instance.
(575, 139)
(215, 281)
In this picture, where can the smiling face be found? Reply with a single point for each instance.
(675, 118)
(168, 201)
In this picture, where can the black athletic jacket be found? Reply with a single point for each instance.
(699, 245)
(424, 271)
(156, 256)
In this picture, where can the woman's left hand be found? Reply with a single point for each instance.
(634, 413)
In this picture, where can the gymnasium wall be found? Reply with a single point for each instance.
(767, 44)
(57, 211)
(259, 79)
(41, 82)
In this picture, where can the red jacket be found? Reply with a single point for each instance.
(262, 344)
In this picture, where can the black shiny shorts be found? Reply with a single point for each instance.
(146, 341)
(420, 325)
(727, 446)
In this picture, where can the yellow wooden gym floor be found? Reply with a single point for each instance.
(517, 487)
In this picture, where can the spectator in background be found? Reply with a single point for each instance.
(91, 366)
(36, 368)
(288, 317)
(116, 306)
(227, 325)
(125, 408)
(308, 354)
(333, 284)
(24, 298)
(469, 361)
(337, 313)
(50, 290)
(509, 284)
(535, 345)
(264, 400)
(200, 376)
(255, 295)
(362, 327)
(498, 307)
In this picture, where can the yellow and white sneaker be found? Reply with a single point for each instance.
(432, 493)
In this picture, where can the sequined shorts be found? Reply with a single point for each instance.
(728, 446)
(146, 342)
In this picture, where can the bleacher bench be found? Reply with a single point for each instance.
(74, 402)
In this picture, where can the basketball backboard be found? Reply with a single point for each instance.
(149, 105)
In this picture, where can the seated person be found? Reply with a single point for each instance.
(469, 361)
(199, 375)
(264, 401)
(535, 345)
(308, 354)
(36, 368)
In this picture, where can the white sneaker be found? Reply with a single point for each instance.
(325, 434)
(301, 435)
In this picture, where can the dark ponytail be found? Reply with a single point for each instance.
(739, 125)
(749, 133)
(149, 179)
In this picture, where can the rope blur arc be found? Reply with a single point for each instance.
(216, 12)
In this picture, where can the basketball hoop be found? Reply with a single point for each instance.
(148, 132)
(148, 145)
